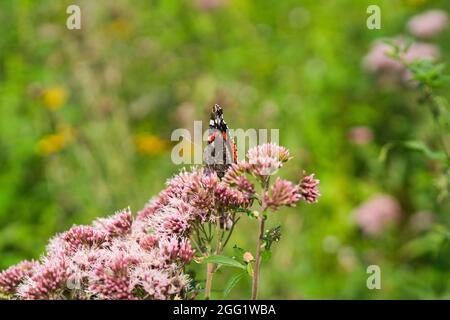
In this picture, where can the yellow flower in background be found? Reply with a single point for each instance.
(149, 144)
(54, 98)
(119, 28)
(55, 142)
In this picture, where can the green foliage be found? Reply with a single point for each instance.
(232, 282)
(224, 261)
(140, 69)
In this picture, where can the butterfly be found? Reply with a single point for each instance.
(220, 152)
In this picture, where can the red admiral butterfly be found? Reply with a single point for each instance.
(220, 152)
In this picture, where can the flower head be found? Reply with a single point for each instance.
(186, 253)
(210, 5)
(308, 188)
(54, 97)
(282, 193)
(82, 236)
(266, 159)
(100, 261)
(47, 280)
(14, 275)
(158, 284)
(172, 220)
(378, 59)
(118, 224)
(360, 135)
(150, 145)
(111, 279)
(375, 215)
(428, 24)
(236, 177)
(51, 144)
(248, 257)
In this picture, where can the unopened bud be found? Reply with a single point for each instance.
(248, 257)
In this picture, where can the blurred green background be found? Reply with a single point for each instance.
(86, 117)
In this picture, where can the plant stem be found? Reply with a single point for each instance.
(262, 219)
(209, 276)
(210, 267)
(258, 260)
(231, 231)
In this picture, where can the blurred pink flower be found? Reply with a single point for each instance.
(378, 213)
(428, 24)
(360, 135)
(421, 50)
(209, 5)
(377, 59)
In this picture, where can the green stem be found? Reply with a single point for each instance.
(262, 219)
(209, 276)
(258, 260)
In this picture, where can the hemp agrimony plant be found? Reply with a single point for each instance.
(263, 194)
(427, 77)
(192, 219)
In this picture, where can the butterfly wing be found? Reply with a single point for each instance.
(220, 152)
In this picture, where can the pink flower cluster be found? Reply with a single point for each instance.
(425, 25)
(263, 162)
(378, 60)
(377, 214)
(266, 159)
(114, 258)
(195, 196)
(428, 24)
(124, 258)
(11, 277)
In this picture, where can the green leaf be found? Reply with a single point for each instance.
(239, 252)
(430, 243)
(224, 261)
(421, 147)
(250, 269)
(266, 255)
(384, 152)
(408, 43)
(249, 213)
(234, 280)
(411, 145)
